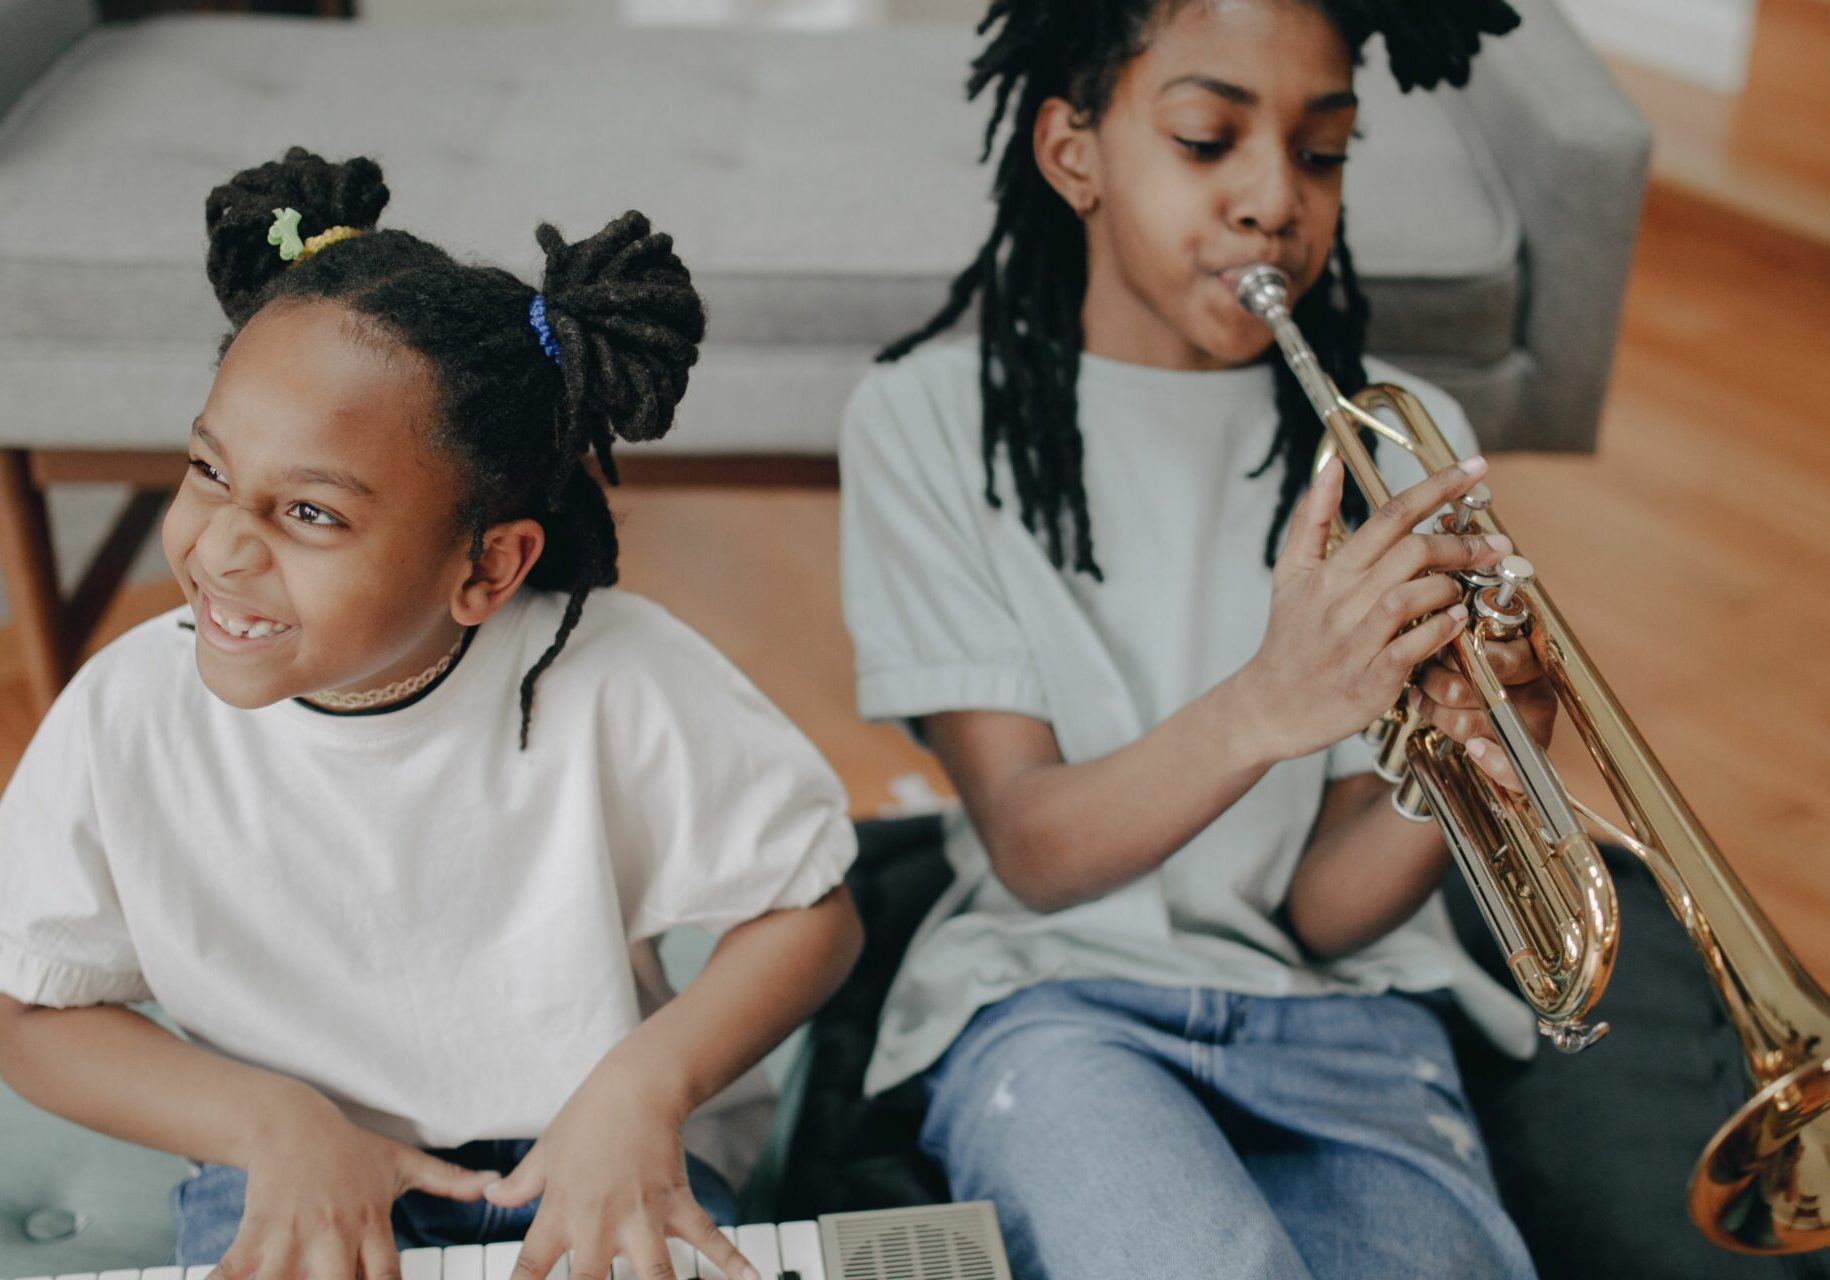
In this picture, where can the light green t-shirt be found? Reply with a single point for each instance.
(953, 605)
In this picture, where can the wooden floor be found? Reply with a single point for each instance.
(1762, 150)
(1692, 552)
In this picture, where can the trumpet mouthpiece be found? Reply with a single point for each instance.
(1263, 289)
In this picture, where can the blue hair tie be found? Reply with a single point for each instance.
(536, 316)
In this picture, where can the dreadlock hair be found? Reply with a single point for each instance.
(1029, 276)
(619, 305)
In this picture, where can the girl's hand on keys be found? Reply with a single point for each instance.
(611, 1174)
(1336, 651)
(320, 1195)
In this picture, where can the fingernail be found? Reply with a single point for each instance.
(1500, 543)
(1477, 748)
(1473, 466)
(493, 1187)
(749, 1273)
(1458, 611)
(1414, 698)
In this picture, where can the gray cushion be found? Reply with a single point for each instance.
(823, 187)
(32, 34)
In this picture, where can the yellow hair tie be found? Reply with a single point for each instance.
(324, 240)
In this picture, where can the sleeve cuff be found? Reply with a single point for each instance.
(821, 869)
(900, 693)
(824, 867)
(32, 979)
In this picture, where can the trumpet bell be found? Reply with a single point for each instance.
(1760, 1185)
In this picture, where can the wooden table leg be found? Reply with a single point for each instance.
(31, 579)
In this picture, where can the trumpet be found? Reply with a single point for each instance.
(1762, 1184)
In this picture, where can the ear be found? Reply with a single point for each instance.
(1067, 155)
(509, 552)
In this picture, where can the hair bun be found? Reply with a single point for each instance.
(1432, 41)
(628, 321)
(239, 214)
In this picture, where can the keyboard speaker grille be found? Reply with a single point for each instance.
(935, 1242)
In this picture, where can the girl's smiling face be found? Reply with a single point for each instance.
(316, 535)
(1222, 144)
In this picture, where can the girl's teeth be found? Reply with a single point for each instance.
(249, 631)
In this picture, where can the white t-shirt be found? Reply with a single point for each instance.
(439, 931)
(953, 605)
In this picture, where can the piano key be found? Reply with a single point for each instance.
(499, 1259)
(622, 1269)
(685, 1259)
(198, 1273)
(159, 1273)
(562, 1270)
(801, 1250)
(757, 1241)
(417, 1264)
(128, 1275)
(462, 1262)
(708, 1270)
(77, 1275)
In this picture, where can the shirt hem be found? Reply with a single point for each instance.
(902, 692)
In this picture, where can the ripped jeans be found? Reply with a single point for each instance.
(1124, 1129)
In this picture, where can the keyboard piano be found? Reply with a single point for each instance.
(936, 1242)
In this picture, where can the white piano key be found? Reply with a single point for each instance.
(708, 1270)
(499, 1259)
(37, 1278)
(801, 1249)
(119, 1275)
(462, 1262)
(685, 1259)
(418, 1264)
(758, 1244)
(562, 1270)
(77, 1275)
(197, 1273)
(159, 1273)
(622, 1269)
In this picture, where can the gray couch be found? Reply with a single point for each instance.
(823, 188)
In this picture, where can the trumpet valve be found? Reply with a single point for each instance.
(1515, 572)
(1499, 604)
(1380, 731)
(1410, 800)
(1393, 761)
(1471, 503)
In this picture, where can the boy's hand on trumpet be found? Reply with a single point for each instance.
(1446, 699)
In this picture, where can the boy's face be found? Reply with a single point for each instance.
(1222, 145)
(315, 534)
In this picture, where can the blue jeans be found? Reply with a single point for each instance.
(1129, 1130)
(208, 1206)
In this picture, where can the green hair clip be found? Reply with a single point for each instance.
(285, 234)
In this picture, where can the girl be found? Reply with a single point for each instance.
(392, 904)
(1179, 1013)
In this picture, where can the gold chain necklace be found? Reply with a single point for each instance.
(369, 699)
